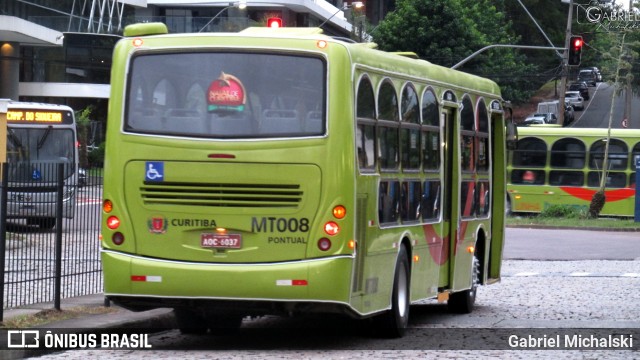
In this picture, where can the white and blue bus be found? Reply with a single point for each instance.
(39, 138)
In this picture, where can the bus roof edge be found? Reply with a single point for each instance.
(143, 29)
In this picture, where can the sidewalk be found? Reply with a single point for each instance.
(113, 317)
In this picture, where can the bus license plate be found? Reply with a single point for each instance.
(221, 241)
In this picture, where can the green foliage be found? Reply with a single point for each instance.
(83, 121)
(446, 31)
(562, 211)
(96, 156)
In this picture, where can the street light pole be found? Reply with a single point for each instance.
(355, 4)
(239, 5)
(565, 66)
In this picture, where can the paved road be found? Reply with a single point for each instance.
(534, 297)
(558, 244)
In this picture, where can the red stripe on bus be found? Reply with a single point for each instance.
(610, 195)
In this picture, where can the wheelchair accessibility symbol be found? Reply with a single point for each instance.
(154, 171)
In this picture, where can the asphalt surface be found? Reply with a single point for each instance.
(115, 318)
(108, 317)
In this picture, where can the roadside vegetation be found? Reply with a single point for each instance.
(52, 315)
(571, 217)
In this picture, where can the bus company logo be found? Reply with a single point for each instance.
(157, 224)
(226, 93)
(23, 339)
(606, 17)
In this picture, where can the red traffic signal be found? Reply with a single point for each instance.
(274, 22)
(575, 50)
(576, 42)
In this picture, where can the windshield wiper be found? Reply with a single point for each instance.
(14, 138)
(44, 137)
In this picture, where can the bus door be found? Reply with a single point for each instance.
(449, 227)
(501, 140)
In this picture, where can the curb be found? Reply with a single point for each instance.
(150, 321)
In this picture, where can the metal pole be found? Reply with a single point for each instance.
(58, 249)
(3, 234)
(565, 66)
(505, 46)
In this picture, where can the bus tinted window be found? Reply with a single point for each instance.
(467, 135)
(410, 132)
(430, 109)
(566, 178)
(635, 156)
(410, 205)
(613, 180)
(366, 113)
(389, 201)
(527, 177)
(531, 152)
(430, 203)
(568, 153)
(618, 155)
(388, 102)
(483, 138)
(226, 95)
(430, 131)
(388, 118)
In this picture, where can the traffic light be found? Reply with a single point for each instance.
(274, 22)
(575, 50)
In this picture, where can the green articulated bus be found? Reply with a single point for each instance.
(282, 171)
(564, 166)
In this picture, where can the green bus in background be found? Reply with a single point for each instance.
(281, 171)
(564, 166)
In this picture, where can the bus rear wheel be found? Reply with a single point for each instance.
(393, 323)
(224, 324)
(190, 322)
(464, 301)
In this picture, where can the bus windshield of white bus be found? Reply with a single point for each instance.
(226, 95)
(32, 151)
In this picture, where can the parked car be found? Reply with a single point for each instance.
(82, 177)
(582, 87)
(587, 76)
(569, 115)
(533, 120)
(540, 119)
(574, 99)
(596, 71)
(549, 118)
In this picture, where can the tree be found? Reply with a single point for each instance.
(83, 122)
(446, 31)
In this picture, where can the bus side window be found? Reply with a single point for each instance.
(411, 195)
(430, 202)
(566, 178)
(388, 202)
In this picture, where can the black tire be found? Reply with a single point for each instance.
(462, 302)
(393, 323)
(190, 322)
(224, 324)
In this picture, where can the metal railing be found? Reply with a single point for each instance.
(45, 258)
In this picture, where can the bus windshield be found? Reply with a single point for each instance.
(28, 149)
(226, 95)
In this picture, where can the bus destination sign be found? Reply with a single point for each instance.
(38, 116)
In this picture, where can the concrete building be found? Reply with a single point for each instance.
(59, 51)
